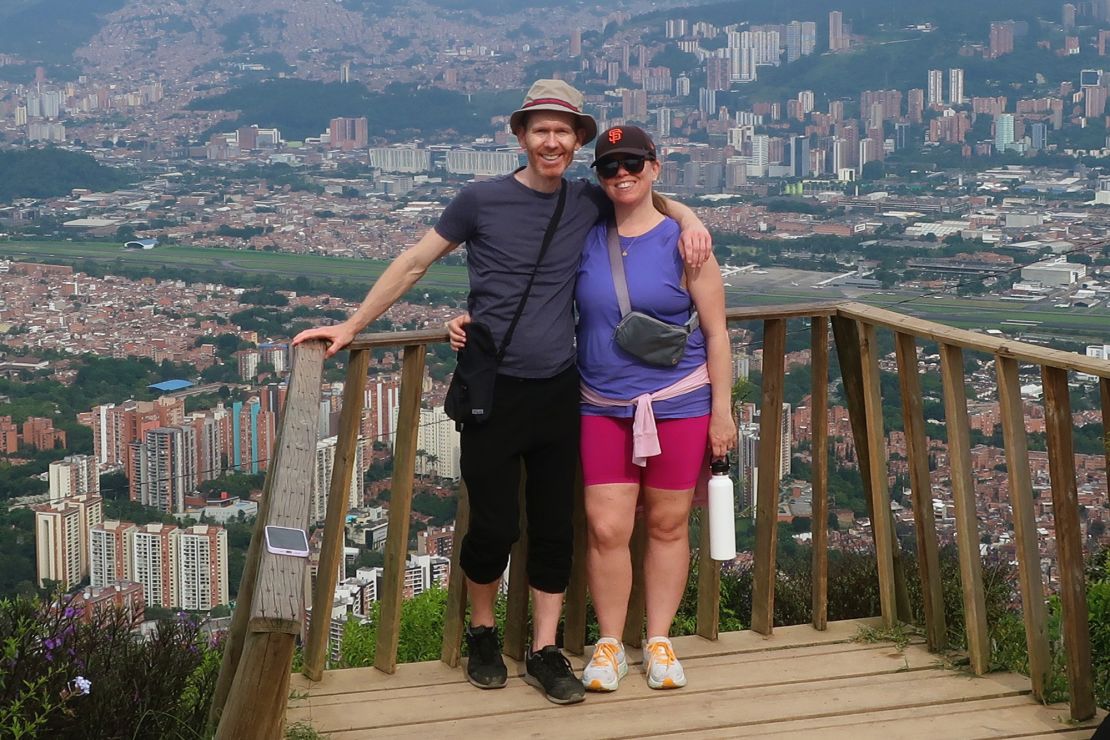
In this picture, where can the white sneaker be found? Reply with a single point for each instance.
(662, 667)
(607, 666)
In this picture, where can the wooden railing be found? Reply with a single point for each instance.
(254, 676)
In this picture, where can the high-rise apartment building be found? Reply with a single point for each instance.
(325, 469)
(108, 561)
(936, 87)
(199, 558)
(1003, 131)
(838, 39)
(150, 562)
(634, 105)
(1001, 38)
(955, 87)
(348, 133)
(575, 49)
(73, 475)
(1068, 15)
(166, 468)
(61, 538)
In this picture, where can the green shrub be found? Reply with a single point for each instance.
(65, 677)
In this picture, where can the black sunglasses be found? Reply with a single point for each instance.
(632, 165)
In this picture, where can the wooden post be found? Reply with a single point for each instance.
(767, 493)
(400, 508)
(574, 619)
(454, 618)
(275, 609)
(236, 635)
(963, 493)
(1104, 394)
(877, 472)
(709, 583)
(925, 528)
(1025, 522)
(847, 335)
(331, 547)
(634, 617)
(819, 516)
(516, 608)
(1069, 542)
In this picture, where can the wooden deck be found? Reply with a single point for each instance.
(797, 683)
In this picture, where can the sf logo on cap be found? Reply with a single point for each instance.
(615, 135)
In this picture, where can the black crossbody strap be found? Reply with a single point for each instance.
(547, 236)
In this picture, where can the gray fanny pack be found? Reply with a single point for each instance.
(646, 337)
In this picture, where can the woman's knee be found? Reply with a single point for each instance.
(608, 532)
(668, 526)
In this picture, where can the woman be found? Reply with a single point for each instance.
(691, 416)
(615, 381)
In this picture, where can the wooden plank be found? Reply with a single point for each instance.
(516, 609)
(738, 647)
(1010, 717)
(635, 710)
(847, 335)
(1104, 394)
(819, 424)
(278, 600)
(925, 528)
(1025, 523)
(454, 618)
(1027, 353)
(256, 705)
(634, 618)
(233, 646)
(331, 546)
(712, 674)
(963, 494)
(767, 488)
(792, 311)
(1069, 542)
(378, 340)
(400, 508)
(574, 614)
(709, 583)
(877, 472)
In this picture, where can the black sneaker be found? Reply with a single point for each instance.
(485, 668)
(550, 670)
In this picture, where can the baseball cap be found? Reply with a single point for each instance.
(623, 140)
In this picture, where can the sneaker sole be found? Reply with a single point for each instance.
(598, 685)
(666, 683)
(532, 681)
(487, 685)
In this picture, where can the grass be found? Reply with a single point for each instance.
(900, 634)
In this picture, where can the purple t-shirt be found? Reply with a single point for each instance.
(653, 270)
(502, 222)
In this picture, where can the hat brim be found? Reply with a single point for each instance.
(636, 150)
(587, 122)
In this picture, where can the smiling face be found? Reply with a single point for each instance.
(627, 188)
(550, 139)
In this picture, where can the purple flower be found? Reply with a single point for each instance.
(81, 685)
(69, 612)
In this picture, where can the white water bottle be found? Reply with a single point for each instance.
(722, 515)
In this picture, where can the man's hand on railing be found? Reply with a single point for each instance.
(456, 331)
(338, 336)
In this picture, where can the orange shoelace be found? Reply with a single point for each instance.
(605, 653)
(662, 652)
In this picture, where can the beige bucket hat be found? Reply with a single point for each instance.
(555, 95)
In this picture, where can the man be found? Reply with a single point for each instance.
(502, 222)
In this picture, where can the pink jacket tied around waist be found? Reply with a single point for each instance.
(645, 436)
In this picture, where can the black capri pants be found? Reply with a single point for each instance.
(534, 422)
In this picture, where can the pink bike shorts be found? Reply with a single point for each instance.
(607, 453)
